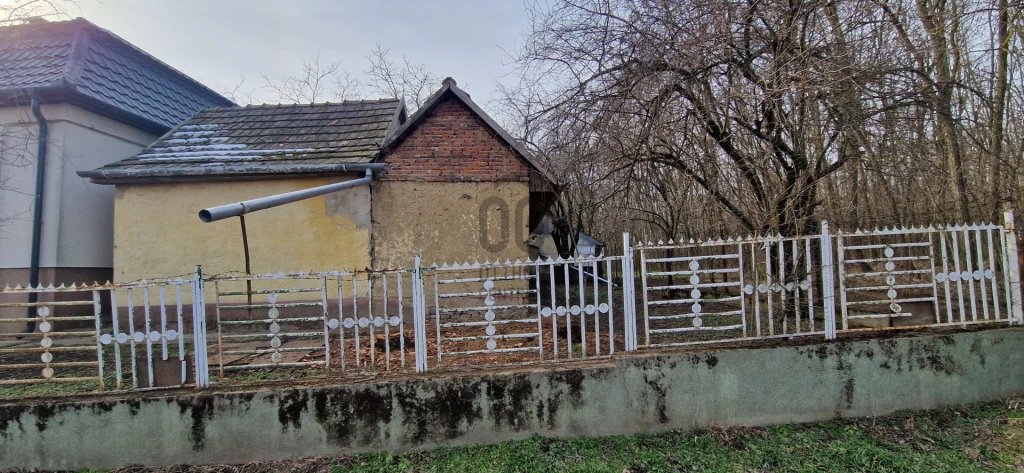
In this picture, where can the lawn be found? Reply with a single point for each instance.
(978, 438)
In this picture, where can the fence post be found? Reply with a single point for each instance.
(98, 314)
(419, 319)
(828, 288)
(1013, 267)
(628, 294)
(202, 367)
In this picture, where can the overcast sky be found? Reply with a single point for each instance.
(217, 42)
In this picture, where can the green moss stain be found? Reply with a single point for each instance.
(43, 413)
(439, 411)
(934, 354)
(9, 415)
(291, 405)
(200, 410)
(354, 417)
(511, 397)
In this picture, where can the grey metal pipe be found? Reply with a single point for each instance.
(37, 210)
(221, 212)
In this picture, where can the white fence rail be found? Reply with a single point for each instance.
(122, 335)
(153, 334)
(528, 311)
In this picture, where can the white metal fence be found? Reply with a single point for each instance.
(153, 334)
(121, 335)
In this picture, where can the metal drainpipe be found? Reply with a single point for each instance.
(237, 209)
(37, 213)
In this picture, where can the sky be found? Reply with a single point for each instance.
(219, 41)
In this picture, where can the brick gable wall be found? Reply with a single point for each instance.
(452, 145)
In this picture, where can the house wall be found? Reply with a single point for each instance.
(157, 231)
(448, 222)
(77, 230)
(77, 215)
(452, 191)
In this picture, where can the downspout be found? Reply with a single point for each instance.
(37, 211)
(238, 209)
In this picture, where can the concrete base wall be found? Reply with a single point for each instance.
(630, 394)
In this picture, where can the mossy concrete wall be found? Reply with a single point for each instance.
(642, 393)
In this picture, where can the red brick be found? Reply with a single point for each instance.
(451, 145)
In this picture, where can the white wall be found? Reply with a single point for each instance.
(77, 215)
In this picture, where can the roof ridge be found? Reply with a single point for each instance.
(188, 80)
(74, 66)
(311, 104)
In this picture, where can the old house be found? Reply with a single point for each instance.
(74, 96)
(447, 183)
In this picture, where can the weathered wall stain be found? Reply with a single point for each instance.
(893, 358)
(43, 413)
(573, 380)
(200, 410)
(632, 393)
(933, 354)
(354, 418)
(848, 386)
(351, 207)
(658, 394)
(439, 411)
(11, 414)
(510, 401)
(978, 350)
(291, 405)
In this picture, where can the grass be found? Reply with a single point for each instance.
(978, 438)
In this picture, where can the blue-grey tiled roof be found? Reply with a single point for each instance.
(99, 66)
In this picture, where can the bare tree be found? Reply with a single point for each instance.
(314, 83)
(347, 86)
(18, 11)
(319, 81)
(778, 114)
(240, 93)
(412, 81)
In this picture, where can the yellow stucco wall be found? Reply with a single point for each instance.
(157, 232)
(446, 222)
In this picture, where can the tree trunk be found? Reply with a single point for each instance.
(934, 21)
(999, 107)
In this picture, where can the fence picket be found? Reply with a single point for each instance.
(887, 277)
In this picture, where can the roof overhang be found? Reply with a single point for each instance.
(67, 93)
(222, 173)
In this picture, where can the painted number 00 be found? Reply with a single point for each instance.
(499, 205)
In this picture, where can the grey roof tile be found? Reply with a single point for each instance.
(96, 64)
(271, 135)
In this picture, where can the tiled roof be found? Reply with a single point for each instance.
(275, 135)
(95, 64)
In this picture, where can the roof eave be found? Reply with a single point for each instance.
(156, 175)
(65, 92)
